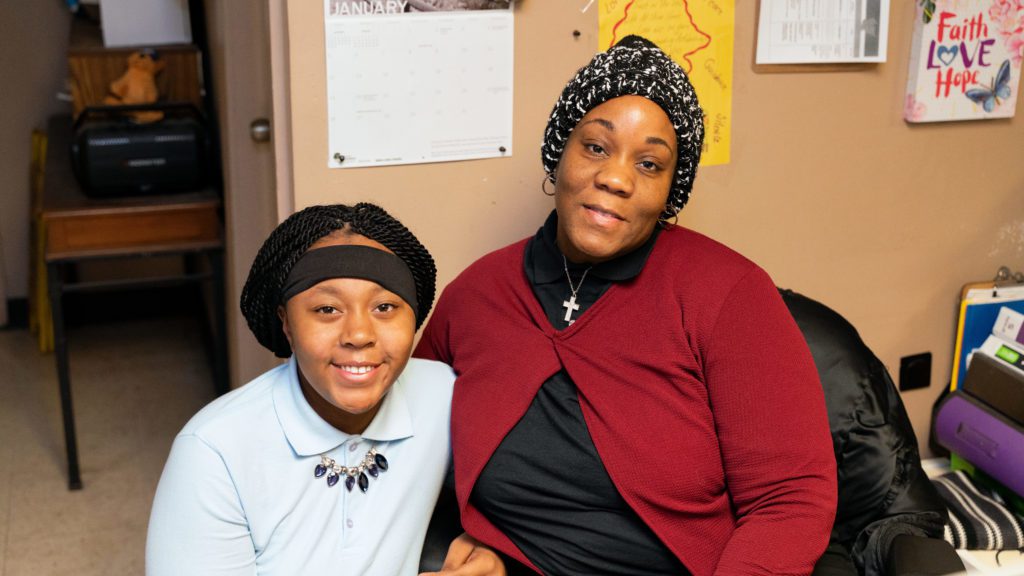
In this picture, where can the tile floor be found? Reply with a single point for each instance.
(135, 384)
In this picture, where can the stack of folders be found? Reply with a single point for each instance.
(982, 421)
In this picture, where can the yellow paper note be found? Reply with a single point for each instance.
(698, 34)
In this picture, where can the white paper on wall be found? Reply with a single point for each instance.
(822, 31)
(144, 22)
(406, 88)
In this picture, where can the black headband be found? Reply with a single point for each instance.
(351, 261)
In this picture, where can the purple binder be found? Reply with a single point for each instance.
(983, 437)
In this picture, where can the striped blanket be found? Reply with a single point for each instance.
(978, 518)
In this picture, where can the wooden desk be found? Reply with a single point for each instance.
(79, 228)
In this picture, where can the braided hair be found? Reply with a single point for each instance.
(261, 295)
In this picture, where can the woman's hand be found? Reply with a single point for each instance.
(468, 557)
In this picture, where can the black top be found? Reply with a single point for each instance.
(545, 486)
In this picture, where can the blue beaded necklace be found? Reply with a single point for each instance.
(372, 464)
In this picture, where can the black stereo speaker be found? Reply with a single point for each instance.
(113, 155)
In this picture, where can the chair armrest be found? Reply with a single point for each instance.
(920, 556)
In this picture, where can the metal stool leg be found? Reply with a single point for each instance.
(56, 288)
(220, 338)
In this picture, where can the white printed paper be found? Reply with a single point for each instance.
(822, 31)
(409, 87)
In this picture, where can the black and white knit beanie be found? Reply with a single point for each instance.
(634, 66)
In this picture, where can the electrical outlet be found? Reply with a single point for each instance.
(915, 371)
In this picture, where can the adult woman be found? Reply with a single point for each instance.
(632, 397)
(263, 480)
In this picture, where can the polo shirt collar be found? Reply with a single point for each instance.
(309, 434)
(548, 266)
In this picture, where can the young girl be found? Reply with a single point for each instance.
(332, 462)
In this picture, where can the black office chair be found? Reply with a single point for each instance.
(890, 518)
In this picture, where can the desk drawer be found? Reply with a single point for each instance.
(112, 233)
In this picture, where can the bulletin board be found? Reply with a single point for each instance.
(493, 201)
(827, 187)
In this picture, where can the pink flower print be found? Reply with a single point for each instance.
(1007, 16)
(913, 111)
(1015, 45)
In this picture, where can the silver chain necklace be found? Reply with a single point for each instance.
(570, 305)
(372, 464)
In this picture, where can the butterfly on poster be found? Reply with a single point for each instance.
(998, 89)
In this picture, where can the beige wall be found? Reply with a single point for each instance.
(828, 188)
(33, 65)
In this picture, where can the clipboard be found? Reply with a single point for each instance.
(979, 307)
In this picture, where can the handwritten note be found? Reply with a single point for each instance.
(697, 34)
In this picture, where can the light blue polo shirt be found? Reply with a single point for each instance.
(238, 495)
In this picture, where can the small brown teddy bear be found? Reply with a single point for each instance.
(138, 85)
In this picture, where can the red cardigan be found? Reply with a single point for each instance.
(696, 386)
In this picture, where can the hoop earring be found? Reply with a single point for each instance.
(549, 177)
(665, 224)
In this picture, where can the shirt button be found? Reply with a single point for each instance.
(352, 447)
(349, 523)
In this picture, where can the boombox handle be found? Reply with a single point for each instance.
(121, 109)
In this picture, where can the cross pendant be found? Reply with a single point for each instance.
(570, 306)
